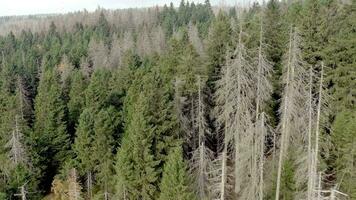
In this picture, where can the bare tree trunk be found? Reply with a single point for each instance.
(262, 157)
(238, 99)
(192, 116)
(263, 93)
(225, 143)
(201, 158)
(223, 172)
(284, 123)
(201, 144)
(310, 157)
(23, 193)
(74, 188)
(259, 76)
(89, 185)
(282, 146)
(332, 195)
(319, 186)
(318, 117)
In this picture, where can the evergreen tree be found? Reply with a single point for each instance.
(218, 43)
(76, 101)
(340, 57)
(15, 152)
(136, 166)
(96, 95)
(344, 139)
(274, 32)
(83, 148)
(50, 136)
(293, 118)
(176, 184)
(275, 38)
(82, 79)
(103, 145)
(311, 32)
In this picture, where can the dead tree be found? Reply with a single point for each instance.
(263, 94)
(98, 54)
(17, 152)
(202, 155)
(293, 117)
(74, 188)
(22, 193)
(235, 113)
(194, 39)
(115, 57)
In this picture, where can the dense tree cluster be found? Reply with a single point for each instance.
(181, 103)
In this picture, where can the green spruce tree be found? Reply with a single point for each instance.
(105, 126)
(176, 184)
(136, 165)
(50, 135)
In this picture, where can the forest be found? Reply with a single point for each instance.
(195, 102)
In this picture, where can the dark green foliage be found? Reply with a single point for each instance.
(103, 29)
(274, 34)
(219, 42)
(172, 19)
(76, 96)
(136, 166)
(96, 95)
(344, 139)
(50, 135)
(312, 32)
(176, 184)
(131, 127)
(15, 154)
(103, 145)
(83, 142)
(340, 57)
(288, 184)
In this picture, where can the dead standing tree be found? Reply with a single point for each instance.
(235, 109)
(263, 94)
(293, 116)
(202, 155)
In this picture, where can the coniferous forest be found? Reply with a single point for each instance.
(196, 102)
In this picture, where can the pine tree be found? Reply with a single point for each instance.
(50, 134)
(136, 166)
(218, 42)
(15, 154)
(274, 34)
(97, 92)
(275, 38)
(83, 147)
(103, 144)
(340, 56)
(176, 184)
(312, 33)
(76, 101)
(343, 136)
